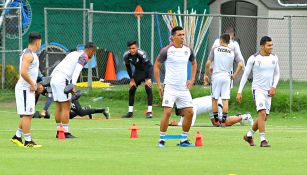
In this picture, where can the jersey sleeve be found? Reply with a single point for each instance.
(143, 55)
(238, 52)
(211, 54)
(163, 54)
(83, 59)
(192, 55)
(276, 74)
(248, 69)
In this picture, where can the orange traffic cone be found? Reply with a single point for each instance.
(60, 132)
(198, 138)
(134, 132)
(110, 70)
(138, 9)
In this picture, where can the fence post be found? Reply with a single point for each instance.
(152, 38)
(20, 28)
(84, 22)
(290, 61)
(46, 40)
(90, 38)
(3, 53)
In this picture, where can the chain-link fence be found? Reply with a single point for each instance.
(111, 31)
(10, 46)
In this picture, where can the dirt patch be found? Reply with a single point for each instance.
(8, 104)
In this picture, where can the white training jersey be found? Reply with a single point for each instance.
(33, 70)
(67, 66)
(204, 104)
(223, 59)
(265, 72)
(176, 64)
(234, 45)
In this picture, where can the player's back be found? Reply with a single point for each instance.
(68, 64)
(223, 59)
(33, 69)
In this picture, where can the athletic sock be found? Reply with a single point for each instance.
(27, 137)
(215, 115)
(244, 117)
(162, 135)
(19, 132)
(184, 136)
(224, 117)
(149, 109)
(250, 133)
(262, 136)
(130, 109)
(66, 127)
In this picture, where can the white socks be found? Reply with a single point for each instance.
(130, 109)
(262, 136)
(66, 127)
(27, 137)
(149, 109)
(162, 135)
(19, 132)
(250, 133)
(184, 136)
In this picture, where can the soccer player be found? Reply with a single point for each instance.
(204, 104)
(25, 91)
(137, 59)
(176, 56)
(265, 79)
(67, 72)
(222, 58)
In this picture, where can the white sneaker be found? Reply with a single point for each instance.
(249, 118)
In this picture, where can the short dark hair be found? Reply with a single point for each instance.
(130, 43)
(225, 37)
(33, 36)
(90, 45)
(265, 39)
(173, 32)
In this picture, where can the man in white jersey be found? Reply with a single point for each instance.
(222, 58)
(25, 91)
(176, 90)
(204, 105)
(265, 79)
(67, 72)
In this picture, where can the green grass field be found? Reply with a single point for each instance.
(104, 146)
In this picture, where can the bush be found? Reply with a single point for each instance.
(11, 76)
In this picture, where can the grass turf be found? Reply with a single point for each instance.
(104, 146)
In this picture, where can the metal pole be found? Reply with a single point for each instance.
(84, 22)
(20, 28)
(290, 62)
(139, 30)
(46, 39)
(185, 6)
(3, 53)
(90, 38)
(152, 38)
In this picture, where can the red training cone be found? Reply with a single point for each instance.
(60, 132)
(134, 132)
(198, 138)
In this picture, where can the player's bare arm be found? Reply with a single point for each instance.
(238, 70)
(239, 97)
(207, 68)
(27, 59)
(157, 66)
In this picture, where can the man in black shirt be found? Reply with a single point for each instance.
(139, 69)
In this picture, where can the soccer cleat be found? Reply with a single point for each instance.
(106, 113)
(264, 143)
(32, 144)
(68, 135)
(148, 114)
(214, 123)
(249, 118)
(128, 115)
(17, 140)
(161, 144)
(249, 140)
(185, 143)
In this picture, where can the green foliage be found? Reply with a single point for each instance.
(11, 76)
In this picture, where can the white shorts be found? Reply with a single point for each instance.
(183, 98)
(58, 84)
(262, 100)
(25, 101)
(221, 87)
